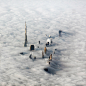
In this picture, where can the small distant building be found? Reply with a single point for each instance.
(45, 49)
(32, 47)
(49, 36)
(50, 57)
(39, 42)
(60, 31)
(34, 57)
(42, 54)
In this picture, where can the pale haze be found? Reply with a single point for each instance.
(43, 18)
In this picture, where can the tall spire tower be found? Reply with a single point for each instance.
(25, 44)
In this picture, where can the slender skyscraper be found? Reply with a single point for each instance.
(25, 44)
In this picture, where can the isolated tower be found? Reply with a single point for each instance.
(25, 44)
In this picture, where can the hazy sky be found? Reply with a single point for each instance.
(43, 17)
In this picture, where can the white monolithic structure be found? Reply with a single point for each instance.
(49, 41)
